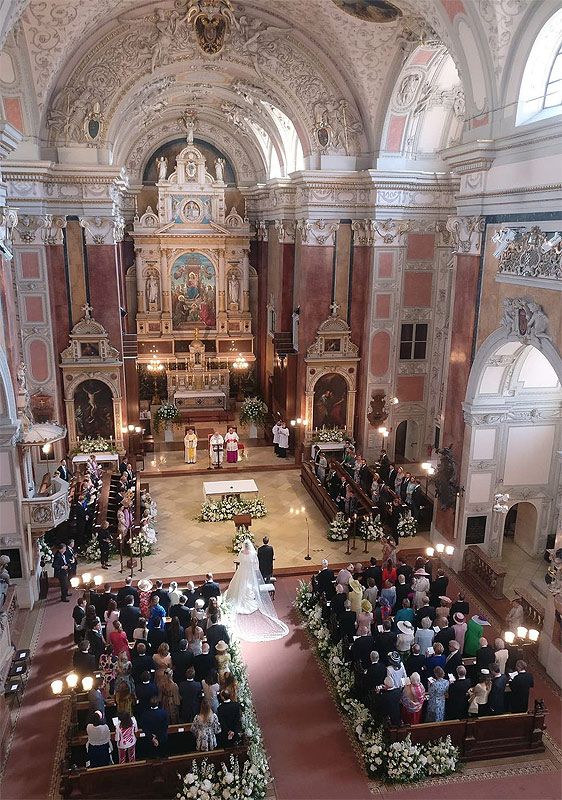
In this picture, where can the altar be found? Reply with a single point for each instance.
(213, 490)
(189, 400)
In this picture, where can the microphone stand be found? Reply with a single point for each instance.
(307, 556)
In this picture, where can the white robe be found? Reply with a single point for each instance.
(283, 439)
(216, 455)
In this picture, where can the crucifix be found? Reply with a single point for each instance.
(87, 309)
(334, 308)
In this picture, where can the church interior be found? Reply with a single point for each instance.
(281, 275)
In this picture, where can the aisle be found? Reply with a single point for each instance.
(311, 756)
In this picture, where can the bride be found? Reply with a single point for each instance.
(254, 616)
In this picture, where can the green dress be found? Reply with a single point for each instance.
(472, 638)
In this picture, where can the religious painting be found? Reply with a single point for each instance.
(89, 350)
(93, 409)
(193, 281)
(370, 10)
(330, 401)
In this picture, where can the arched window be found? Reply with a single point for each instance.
(540, 95)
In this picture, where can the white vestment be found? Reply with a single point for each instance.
(216, 445)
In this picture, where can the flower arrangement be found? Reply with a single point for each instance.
(45, 551)
(141, 544)
(397, 762)
(200, 783)
(407, 526)
(92, 551)
(330, 435)
(253, 411)
(168, 412)
(225, 509)
(241, 534)
(338, 528)
(90, 445)
(372, 528)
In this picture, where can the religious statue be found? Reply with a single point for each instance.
(190, 446)
(233, 289)
(231, 440)
(216, 450)
(4, 578)
(219, 169)
(22, 377)
(162, 168)
(152, 290)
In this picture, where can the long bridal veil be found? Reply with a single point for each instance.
(254, 618)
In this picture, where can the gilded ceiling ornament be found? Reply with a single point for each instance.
(211, 21)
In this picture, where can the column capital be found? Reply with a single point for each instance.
(262, 230)
(318, 232)
(8, 222)
(466, 234)
(40, 229)
(103, 230)
(286, 230)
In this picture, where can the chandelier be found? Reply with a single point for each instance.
(211, 21)
(240, 362)
(500, 503)
(155, 365)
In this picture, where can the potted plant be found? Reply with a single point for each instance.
(253, 412)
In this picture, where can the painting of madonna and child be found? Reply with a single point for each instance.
(330, 401)
(193, 292)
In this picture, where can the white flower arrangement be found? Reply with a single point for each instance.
(330, 435)
(92, 552)
(399, 762)
(338, 528)
(242, 533)
(168, 412)
(45, 551)
(407, 526)
(141, 544)
(373, 528)
(253, 411)
(225, 509)
(90, 445)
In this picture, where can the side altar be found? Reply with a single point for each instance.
(193, 281)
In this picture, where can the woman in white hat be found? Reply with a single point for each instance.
(420, 586)
(405, 638)
(222, 657)
(145, 593)
(459, 627)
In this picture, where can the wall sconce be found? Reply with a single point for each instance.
(87, 683)
(500, 503)
(57, 687)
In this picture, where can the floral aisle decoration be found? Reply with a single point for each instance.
(398, 762)
(330, 435)
(372, 528)
(92, 551)
(253, 411)
(45, 552)
(142, 544)
(90, 445)
(168, 412)
(407, 526)
(240, 535)
(338, 528)
(225, 509)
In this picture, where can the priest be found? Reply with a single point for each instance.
(216, 449)
(190, 446)
(231, 440)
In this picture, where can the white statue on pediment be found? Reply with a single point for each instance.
(162, 168)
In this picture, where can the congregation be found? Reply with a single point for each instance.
(416, 654)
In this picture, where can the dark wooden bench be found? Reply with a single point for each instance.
(318, 492)
(483, 738)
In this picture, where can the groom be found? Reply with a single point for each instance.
(266, 557)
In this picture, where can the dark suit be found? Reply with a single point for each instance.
(203, 664)
(97, 645)
(415, 664)
(376, 673)
(183, 614)
(265, 560)
(144, 692)
(346, 622)
(373, 572)
(154, 722)
(60, 568)
(438, 589)
(496, 698)
(453, 662)
(385, 642)
(141, 664)
(129, 617)
(64, 473)
(181, 660)
(484, 657)
(164, 596)
(325, 583)
(361, 650)
(190, 694)
(230, 720)
(519, 697)
(456, 705)
(216, 633)
(122, 594)
(208, 590)
(83, 663)
(424, 611)
(387, 704)
(458, 607)
(445, 636)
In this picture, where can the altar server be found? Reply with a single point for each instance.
(231, 440)
(275, 432)
(283, 435)
(190, 446)
(216, 448)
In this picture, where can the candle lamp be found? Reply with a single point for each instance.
(87, 683)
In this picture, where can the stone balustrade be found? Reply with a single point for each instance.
(483, 571)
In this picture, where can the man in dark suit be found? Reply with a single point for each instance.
(496, 698)
(325, 581)
(438, 587)
(123, 465)
(141, 662)
(266, 557)
(373, 571)
(230, 720)
(182, 659)
(376, 672)
(446, 632)
(520, 686)
(362, 648)
(83, 662)
(127, 590)
(405, 569)
(164, 596)
(460, 606)
(145, 690)
(485, 655)
(203, 663)
(384, 466)
(60, 568)
(209, 589)
(387, 702)
(129, 617)
(456, 705)
(454, 657)
(391, 481)
(154, 723)
(63, 472)
(216, 632)
(70, 558)
(385, 640)
(424, 611)
(181, 611)
(404, 486)
(190, 694)
(415, 661)
(347, 620)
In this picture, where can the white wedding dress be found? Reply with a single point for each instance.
(254, 618)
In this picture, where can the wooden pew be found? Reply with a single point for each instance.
(317, 492)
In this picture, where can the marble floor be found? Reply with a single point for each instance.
(255, 455)
(523, 570)
(187, 546)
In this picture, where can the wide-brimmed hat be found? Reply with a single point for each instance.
(404, 626)
(221, 647)
(355, 586)
(421, 571)
(395, 659)
(459, 618)
(144, 585)
(366, 606)
(199, 603)
(446, 600)
(480, 620)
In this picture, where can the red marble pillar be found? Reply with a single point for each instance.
(463, 322)
(258, 260)
(60, 311)
(360, 324)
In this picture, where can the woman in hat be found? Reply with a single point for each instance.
(412, 700)
(145, 593)
(364, 618)
(355, 595)
(222, 658)
(459, 627)
(424, 635)
(405, 638)
(436, 696)
(444, 609)
(420, 587)
(474, 632)
(396, 670)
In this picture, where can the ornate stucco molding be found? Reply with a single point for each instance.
(530, 254)
(8, 221)
(103, 230)
(318, 232)
(40, 229)
(466, 234)
(525, 319)
(285, 230)
(363, 232)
